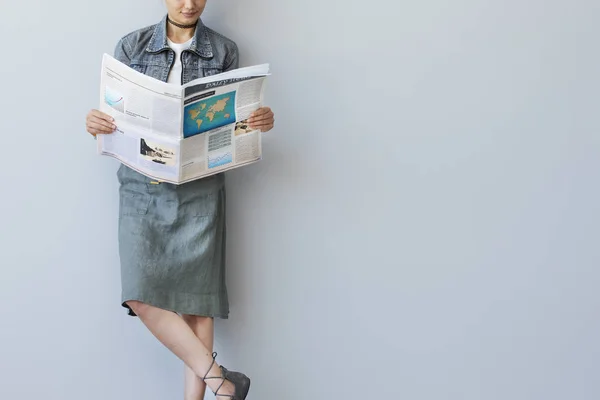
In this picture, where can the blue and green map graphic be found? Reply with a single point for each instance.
(208, 114)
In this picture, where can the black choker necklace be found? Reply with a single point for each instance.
(181, 26)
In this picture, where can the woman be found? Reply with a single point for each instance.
(172, 237)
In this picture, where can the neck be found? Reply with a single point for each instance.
(178, 34)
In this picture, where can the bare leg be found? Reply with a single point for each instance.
(203, 328)
(172, 331)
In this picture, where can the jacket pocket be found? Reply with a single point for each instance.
(208, 71)
(139, 67)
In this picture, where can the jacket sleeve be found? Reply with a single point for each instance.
(122, 51)
(233, 59)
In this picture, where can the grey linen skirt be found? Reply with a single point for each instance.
(172, 244)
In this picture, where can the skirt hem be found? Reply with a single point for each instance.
(179, 303)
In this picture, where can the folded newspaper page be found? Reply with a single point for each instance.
(177, 134)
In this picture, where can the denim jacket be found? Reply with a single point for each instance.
(146, 50)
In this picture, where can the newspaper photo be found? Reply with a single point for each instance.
(177, 134)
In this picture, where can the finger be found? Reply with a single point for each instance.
(260, 111)
(95, 132)
(102, 122)
(270, 121)
(263, 123)
(99, 128)
(264, 117)
(269, 115)
(100, 114)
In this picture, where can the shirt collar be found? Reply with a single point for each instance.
(200, 43)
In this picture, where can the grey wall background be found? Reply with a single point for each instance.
(424, 224)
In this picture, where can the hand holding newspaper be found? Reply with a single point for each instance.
(177, 134)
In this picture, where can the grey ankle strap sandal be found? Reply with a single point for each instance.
(240, 381)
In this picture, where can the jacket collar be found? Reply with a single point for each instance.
(200, 42)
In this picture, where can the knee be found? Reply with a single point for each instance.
(137, 307)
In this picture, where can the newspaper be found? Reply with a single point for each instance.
(177, 134)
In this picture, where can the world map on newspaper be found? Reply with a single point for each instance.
(209, 114)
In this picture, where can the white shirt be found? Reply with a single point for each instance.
(178, 48)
